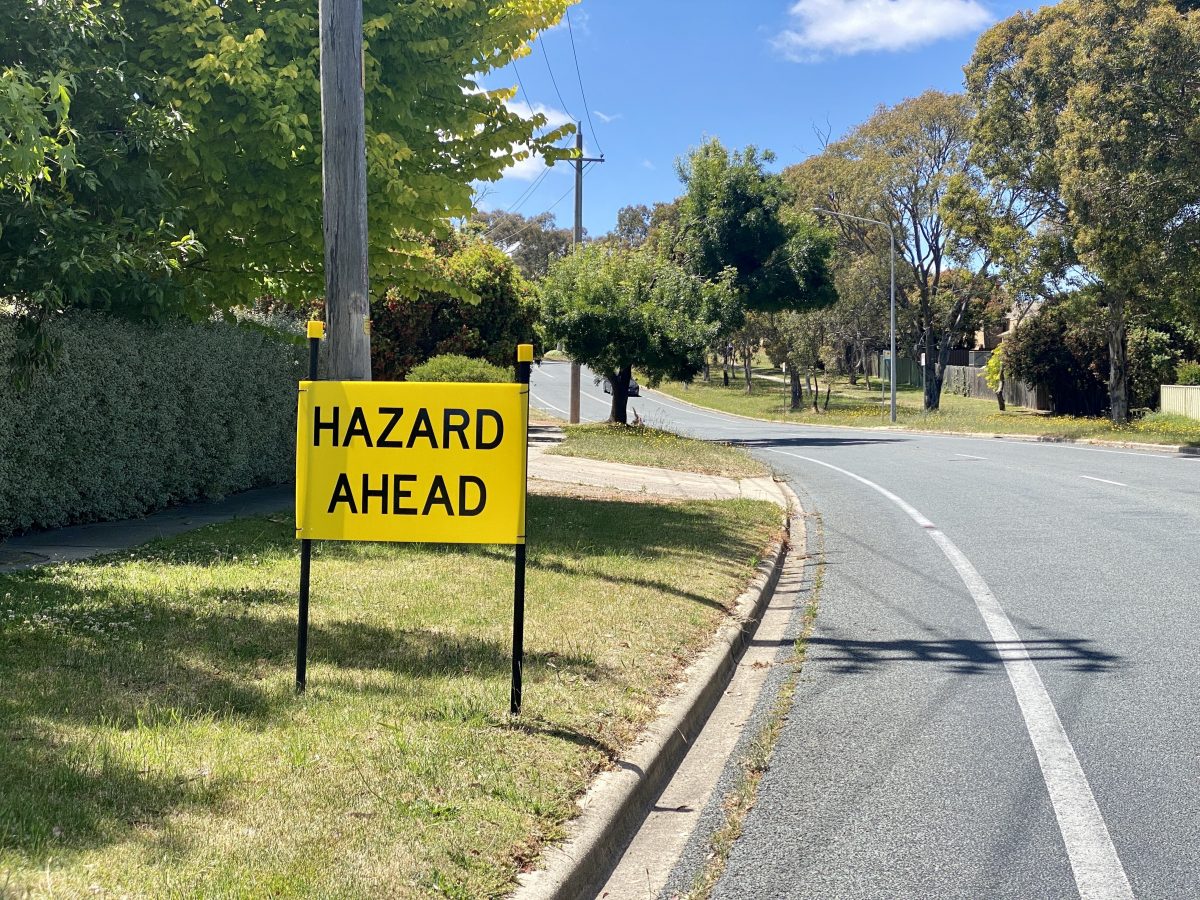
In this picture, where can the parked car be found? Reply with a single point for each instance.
(635, 389)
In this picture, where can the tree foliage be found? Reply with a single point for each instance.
(633, 225)
(245, 76)
(533, 242)
(1065, 348)
(614, 308)
(733, 216)
(166, 154)
(87, 216)
(407, 331)
(901, 163)
(1089, 111)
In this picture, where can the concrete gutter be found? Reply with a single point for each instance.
(615, 805)
(1176, 449)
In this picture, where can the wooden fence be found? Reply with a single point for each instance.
(1181, 399)
(969, 381)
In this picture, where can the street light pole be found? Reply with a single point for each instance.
(892, 236)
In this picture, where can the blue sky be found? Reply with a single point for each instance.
(661, 75)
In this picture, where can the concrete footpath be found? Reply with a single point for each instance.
(77, 542)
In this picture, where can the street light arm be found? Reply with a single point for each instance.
(830, 212)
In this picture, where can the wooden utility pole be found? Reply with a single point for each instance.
(580, 159)
(344, 173)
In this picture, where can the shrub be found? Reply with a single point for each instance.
(135, 417)
(406, 332)
(453, 367)
(1188, 372)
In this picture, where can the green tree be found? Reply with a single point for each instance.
(794, 340)
(1090, 109)
(906, 157)
(633, 225)
(244, 75)
(735, 217)
(533, 242)
(186, 173)
(500, 313)
(87, 217)
(614, 308)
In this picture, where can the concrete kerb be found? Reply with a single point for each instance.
(1177, 449)
(613, 808)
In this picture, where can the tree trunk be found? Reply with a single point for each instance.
(1000, 401)
(933, 389)
(746, 359)
(797, 390)
(828, 391)
(862, 361)
(619, 412)
(707, 369)
(1118, 360)
(815, 390)
(344, 175)
(953, 329)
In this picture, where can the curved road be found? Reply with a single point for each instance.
(1000, 696)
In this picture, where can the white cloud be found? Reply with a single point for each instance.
(605, 118)
(529, 168)
(555, 118)
(845, 27)
(646, 164)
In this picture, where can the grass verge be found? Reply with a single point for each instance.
(151, 744)
(640, 445)
(855, 405)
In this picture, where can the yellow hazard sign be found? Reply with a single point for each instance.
(401, 461)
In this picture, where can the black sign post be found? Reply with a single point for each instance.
(316, 331)
(524, 367)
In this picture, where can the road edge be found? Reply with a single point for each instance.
(614, 806)
(1176, 449)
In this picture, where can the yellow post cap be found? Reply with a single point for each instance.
(316, 330)
(524, 352)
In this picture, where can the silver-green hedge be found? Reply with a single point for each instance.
(134, 418)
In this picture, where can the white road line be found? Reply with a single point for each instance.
(540, 402)
(1098, 872)
(969, 456)
(1105, 480)
(546, 372)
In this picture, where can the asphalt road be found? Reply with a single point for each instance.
(1000, 696)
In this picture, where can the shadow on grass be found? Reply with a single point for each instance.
(107, 655)
(56, 795)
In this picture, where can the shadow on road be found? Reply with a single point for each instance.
(775, 443)
(961, 656)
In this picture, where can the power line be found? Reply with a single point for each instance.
(550, 208)
(578, 74)
(525, 196)
(553, 80)
(530, 191)
(524, 93)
